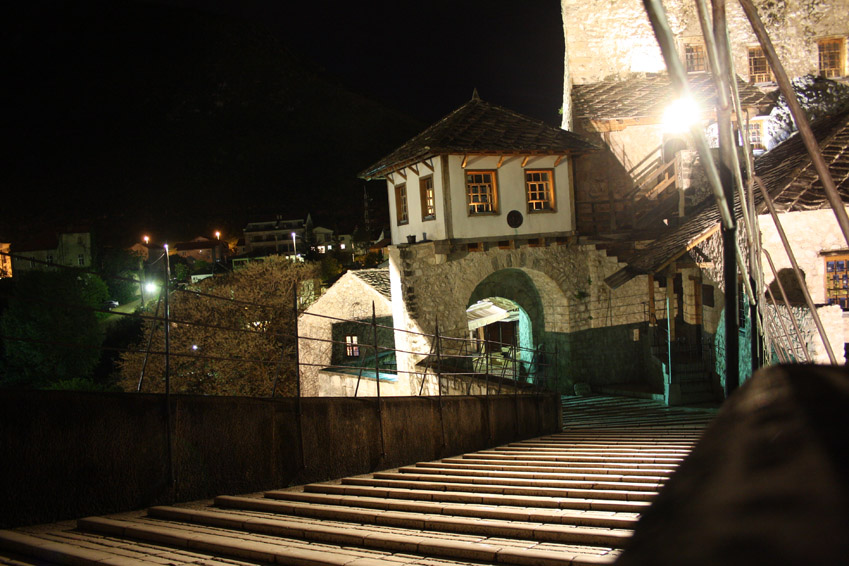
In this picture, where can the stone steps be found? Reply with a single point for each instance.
(569, 498)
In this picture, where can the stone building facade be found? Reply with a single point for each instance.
(614, 39)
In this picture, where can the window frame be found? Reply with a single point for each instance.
(492, 194)
(427, 195)
(402, 205)
(352, 346)
(839, 69)
(698, 58)
(549, 191)
(836, 294)
(755, 58)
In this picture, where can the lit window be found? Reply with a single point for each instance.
(352, 349)
(832, 57)
(540, 191)
(755, 131)
(81, 259)
(837, 280)
(694, 58)
(401, 203)
(428, 201)
(758, 68)
(481, 192)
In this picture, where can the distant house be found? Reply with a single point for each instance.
(275, 235)
(69, 249)
(336, 338)
(203, 249)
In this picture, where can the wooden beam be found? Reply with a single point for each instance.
(403, 173)
(428, 165)
(415, 168)
(525, 160)
(465, 160)
(500, 162)
(558, 160)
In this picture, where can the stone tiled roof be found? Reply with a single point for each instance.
(647, 96)
(790, 179)
(377, 279)
(480, 127)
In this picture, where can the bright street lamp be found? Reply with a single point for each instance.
(294, 245)
(217, 235)
(146, 239)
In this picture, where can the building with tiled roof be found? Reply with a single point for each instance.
(481, 173)
(336, 336)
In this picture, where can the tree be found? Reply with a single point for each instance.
(51, 333)
(119, 269)
(230, 335)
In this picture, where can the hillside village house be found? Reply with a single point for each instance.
(289, 237)
(68, 249)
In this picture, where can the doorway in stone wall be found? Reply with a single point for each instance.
(502, 335)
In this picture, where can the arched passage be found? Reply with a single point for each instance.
(506, 312)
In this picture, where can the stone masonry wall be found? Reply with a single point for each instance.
(434, 283)
(605, 38)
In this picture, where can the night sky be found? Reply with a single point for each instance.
(185, 116)
(425, 58)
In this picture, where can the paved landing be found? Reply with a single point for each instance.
(568, 498)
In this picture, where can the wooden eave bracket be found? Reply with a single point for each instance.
(525, 161)
(558, 160)
(403, 173)
(428, 164)
(500, 162)
(465, 160)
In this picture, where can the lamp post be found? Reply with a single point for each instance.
(217, 235)
(294, 245)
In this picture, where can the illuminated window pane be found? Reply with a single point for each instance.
(831, 57)
(758, 68)
(695, 58)
(352, 349)
(427, 198)
(540, 190)
(481, 192)
(401, 203)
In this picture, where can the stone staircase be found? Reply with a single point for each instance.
(568, 498)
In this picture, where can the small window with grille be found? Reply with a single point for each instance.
(539, 186)
(481, 192)
(401, 210)
(352, 348)
(758, 68)
(837, 280)
(427, 198)
(832, 57)
(694, 58)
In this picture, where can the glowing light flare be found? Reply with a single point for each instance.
(681, 115)
(146, 239)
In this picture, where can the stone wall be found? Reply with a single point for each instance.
(69, 454)
(605, 38)
(560, 286)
